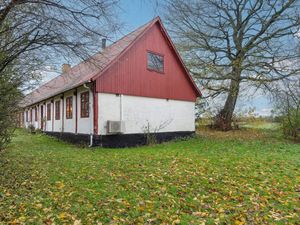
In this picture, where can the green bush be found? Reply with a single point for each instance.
(9, 99)
(290, 124)
(288, 108)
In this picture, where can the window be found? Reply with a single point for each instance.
(30, 115)
(84, 99)
(35, 113)
(69, 109)
(49, 111)
(26, 115)
(57, 110)
(155, 62)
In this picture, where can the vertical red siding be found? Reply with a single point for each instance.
(129, 75)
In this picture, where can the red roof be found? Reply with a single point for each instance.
(90, 69)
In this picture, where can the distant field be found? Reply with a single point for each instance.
(260, 125)
(237, 177)
(254, 124)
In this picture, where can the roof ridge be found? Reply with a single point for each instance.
(144, 25)
(125, 36)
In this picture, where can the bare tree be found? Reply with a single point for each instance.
(54, 28)
(230, 44)
(34, 33)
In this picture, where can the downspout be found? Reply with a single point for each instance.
(91, 119)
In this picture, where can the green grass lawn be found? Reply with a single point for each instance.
(241, 177)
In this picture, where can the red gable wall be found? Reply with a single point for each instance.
(129, 75)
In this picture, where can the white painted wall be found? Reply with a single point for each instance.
(25, 121)
(138, 112)
(30, 120)
(85, 125)
(58, 123)
(161, 115)
(42, 120)
(69, 124)
(35, 120)
(48, 126)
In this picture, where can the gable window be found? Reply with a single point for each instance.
(155, 62)
(57, 110)
(35, 113)
(84, 100)
(69, 107)
(49, 111)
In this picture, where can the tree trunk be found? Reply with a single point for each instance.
(224, 118)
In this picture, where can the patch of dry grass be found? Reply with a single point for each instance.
(240, 134)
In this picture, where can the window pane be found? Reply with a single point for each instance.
(84, 107)
(69, 107)
(49, 111)
(155, 62)
(57, 110)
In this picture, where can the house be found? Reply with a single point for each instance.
(136, 87)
